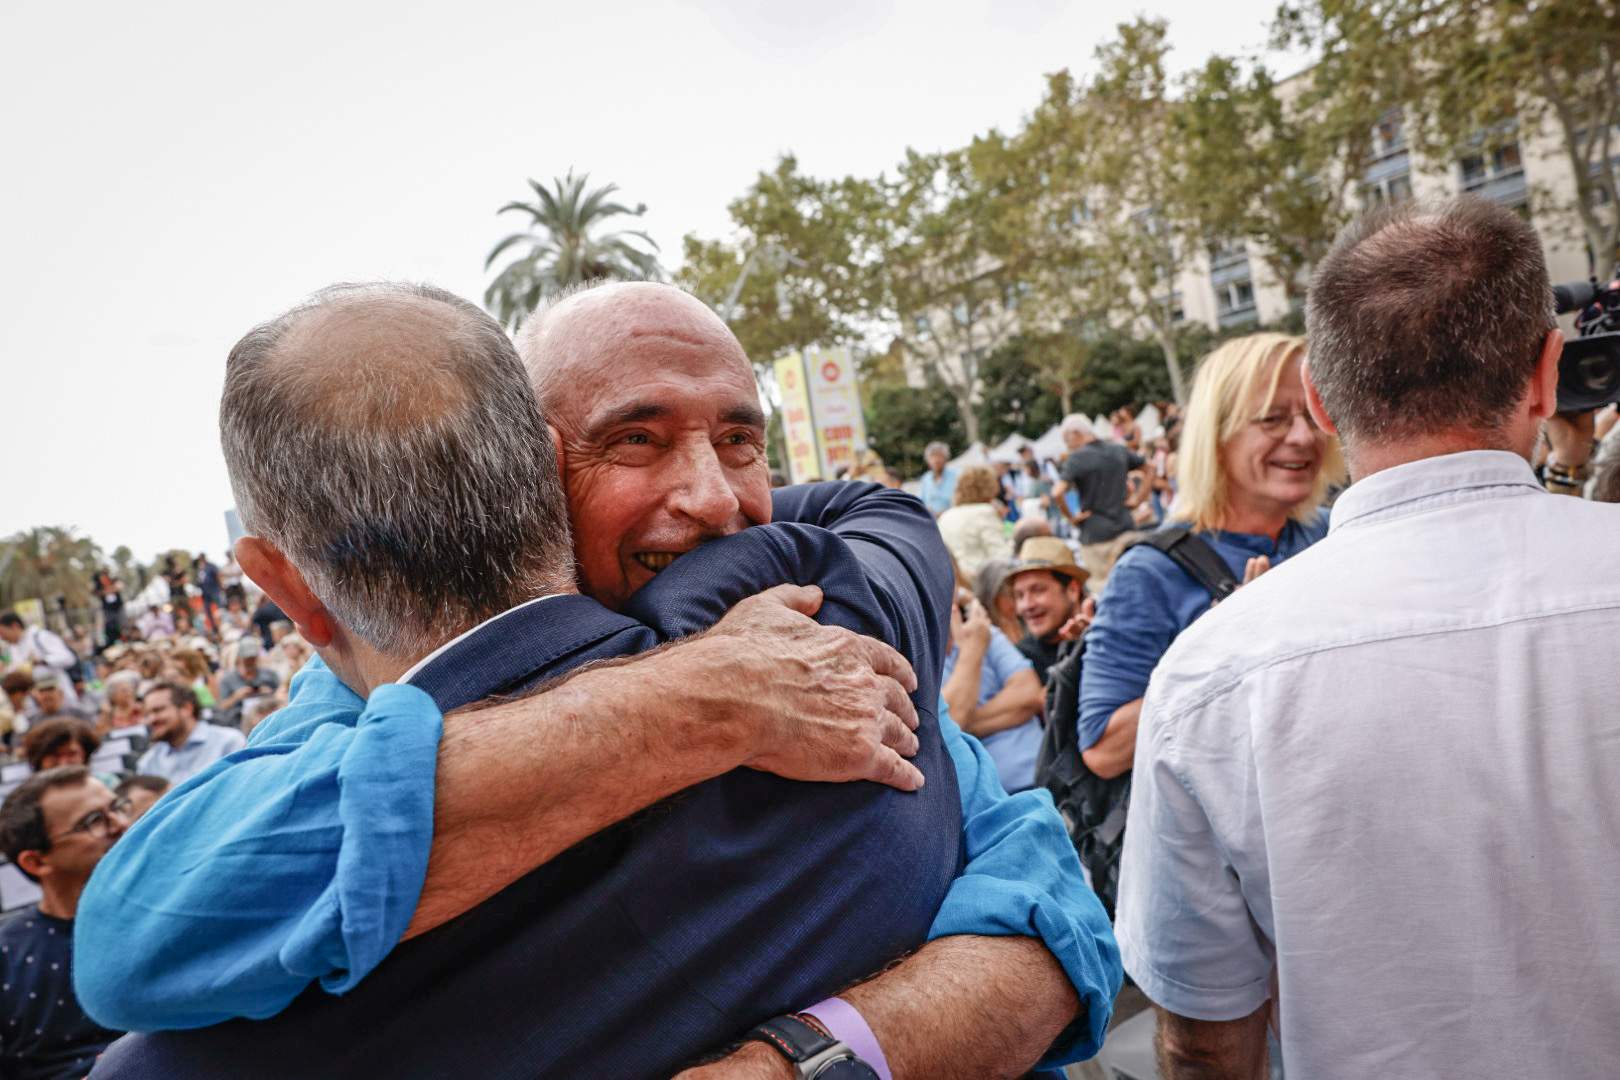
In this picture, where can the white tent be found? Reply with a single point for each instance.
(1049, 447)
(973, 455)
(1150, 422)
(1007, 449)
(1103, 426)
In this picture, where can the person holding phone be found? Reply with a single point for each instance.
(992, 692)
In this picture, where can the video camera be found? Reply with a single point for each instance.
(1589, 369)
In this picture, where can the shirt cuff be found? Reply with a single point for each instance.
(845, 1023)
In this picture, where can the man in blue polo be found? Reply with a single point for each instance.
(458, 875)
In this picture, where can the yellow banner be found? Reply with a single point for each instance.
(798, 425)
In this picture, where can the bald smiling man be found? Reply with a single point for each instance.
(436, 572)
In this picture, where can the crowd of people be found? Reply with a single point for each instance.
(1245, 706)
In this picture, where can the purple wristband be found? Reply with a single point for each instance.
(845, 1023)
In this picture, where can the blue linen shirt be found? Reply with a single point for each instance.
(937, 494)
(322, 887)
(1148, 601)
(1014, 749)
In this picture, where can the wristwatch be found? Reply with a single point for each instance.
(815, 1054)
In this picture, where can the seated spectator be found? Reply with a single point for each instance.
(972, 527)
(255, 710)
(247, 679)
(289, 655)
(990, 589)
(194, 671)
(51, 699)
(181, 746)
(1251, 476)
(54, 828)
(141, 792)
(993, 694)
(52, 743)
(1048, 589)
(19, 686)
(123, 706)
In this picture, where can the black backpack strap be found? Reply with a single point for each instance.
(1201, 562)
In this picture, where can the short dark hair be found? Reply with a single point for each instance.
(1428, 317)
(11, 618)
(22, 822)
(157, 785)
(17, 682)
(416, 497)
(49, 736)
(179, 693)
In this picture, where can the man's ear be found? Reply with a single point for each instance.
(1544, 384)
(1313, 401)
(35, 862)
(557, 445)
(279, 578)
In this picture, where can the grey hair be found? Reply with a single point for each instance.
(418, 496)
(1079, 423)
(1428, 318)
(936, 445)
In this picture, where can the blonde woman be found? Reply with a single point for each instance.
(1252, 473)
(972, 527)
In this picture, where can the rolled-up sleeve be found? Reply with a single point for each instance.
(1185, 931)
(1136, 622)
(1023, 879)
(300, 858)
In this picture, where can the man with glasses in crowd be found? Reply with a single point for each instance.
(54, 828)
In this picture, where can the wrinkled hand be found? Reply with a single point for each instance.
(1255, 567)
(752, 1061)
(1570, 436)
(1080, 621)
(816, 702)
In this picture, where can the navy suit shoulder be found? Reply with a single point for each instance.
(672, 933)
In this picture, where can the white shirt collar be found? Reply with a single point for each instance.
(1427, 477)
(416, 668)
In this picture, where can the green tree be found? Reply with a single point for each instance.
(901, 420)
(945, 250)
(1140, 214)
(564, 246)
(48, 564)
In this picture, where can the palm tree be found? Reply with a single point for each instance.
(561, 249)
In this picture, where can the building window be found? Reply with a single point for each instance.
(1390, 189)
(1479, 169)
(1235, 297)
(1389, 134)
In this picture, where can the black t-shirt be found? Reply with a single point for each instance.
(1039, 653)
(44, 1035)
(1097, 471)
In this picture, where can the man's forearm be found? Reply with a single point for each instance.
(960, 1008)
(968, 1007)
(1112, 754)
(1210, 1049)
(961, 690)
(521, 782)
(1012, 705)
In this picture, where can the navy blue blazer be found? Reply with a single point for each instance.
(670, 934)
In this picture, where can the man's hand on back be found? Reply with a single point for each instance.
(815, 702)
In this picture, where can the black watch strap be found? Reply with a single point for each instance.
(813, 1054)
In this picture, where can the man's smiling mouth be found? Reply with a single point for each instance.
(655, 560)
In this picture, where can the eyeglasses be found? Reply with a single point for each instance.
(96, 821)
(1278, 423)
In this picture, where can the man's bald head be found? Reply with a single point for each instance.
(598, 323)
(385, 439)
(663, 439)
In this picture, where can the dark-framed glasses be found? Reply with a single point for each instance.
(96, 822)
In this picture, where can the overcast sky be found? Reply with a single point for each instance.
(180, 171)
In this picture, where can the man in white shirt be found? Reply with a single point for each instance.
(1374, 799)
(41, 649)
(181, 747)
